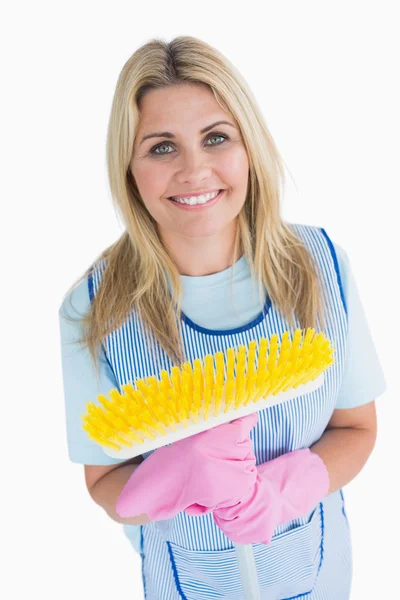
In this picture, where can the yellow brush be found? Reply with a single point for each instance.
(194, 398)
(155, 412)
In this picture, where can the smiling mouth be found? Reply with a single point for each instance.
(198, 207)
(183, 203)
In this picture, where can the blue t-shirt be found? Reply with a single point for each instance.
(207, 302)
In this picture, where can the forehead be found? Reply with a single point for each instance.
(185, 105)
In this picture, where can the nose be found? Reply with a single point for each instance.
(194, 166)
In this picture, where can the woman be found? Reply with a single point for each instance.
(183, 123)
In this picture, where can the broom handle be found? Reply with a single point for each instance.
(248, 571)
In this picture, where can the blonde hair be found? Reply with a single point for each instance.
(134, 277)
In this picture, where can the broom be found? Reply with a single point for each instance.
(194, 398)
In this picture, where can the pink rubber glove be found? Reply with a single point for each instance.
(286, 488)
(207, 470)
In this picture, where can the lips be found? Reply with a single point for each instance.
(198, 207)
(180, 197)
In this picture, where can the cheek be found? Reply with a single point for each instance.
(151, 181)
(234, 169)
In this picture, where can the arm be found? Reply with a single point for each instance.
(105, 484)
(347, 443)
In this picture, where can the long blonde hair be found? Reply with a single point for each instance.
(136, 264)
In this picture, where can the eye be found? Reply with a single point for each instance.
(166, 144)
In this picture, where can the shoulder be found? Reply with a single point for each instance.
(76, 301)
(312, 236)
(302, 227)
(342, 256)
(307, 232)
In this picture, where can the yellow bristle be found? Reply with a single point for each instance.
(198, 386)
(99, 438)
(230, 379)
(160, 404)
(202, 390)
(285, 345)
(181, 415)
(118, 400)
(118, 425)
(106, 425)
(149, 419)
(170, 398)
(187, 371)
(208, 385)
(282, 367)
(187, 391)
(105, 401)
(167, 389)
(241, 377)
(262, 361)
(267, 365)
(97, 414)
(134, 400)
(95, 418)
(177, 385)
(155, 411)
(145, 431)
(258, 376)
(139, 423)
(251, 370)
(166, 409)
(218, 389)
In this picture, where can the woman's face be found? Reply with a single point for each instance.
(188, 161)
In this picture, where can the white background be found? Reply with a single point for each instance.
(325, 75)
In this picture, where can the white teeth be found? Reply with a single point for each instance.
(196, 199)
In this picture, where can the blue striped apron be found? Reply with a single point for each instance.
(189, 558)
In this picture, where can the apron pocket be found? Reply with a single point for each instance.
(286, 567)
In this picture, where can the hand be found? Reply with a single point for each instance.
(210, 469)
(286, 488)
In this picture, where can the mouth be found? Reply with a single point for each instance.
(207, 204)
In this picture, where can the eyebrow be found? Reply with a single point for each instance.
(167, 134)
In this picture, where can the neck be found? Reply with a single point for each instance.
(197, 257)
